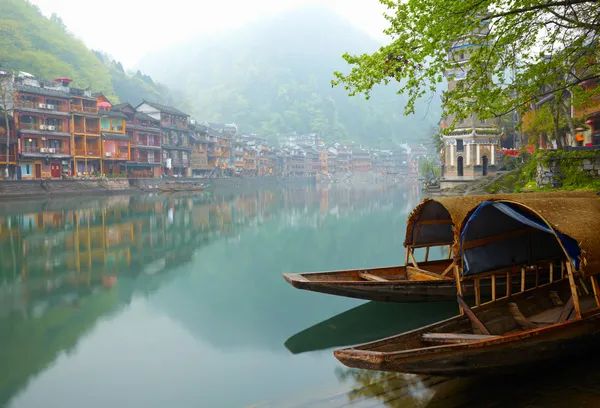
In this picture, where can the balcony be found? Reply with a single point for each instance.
(42, 127)
(44, 150)
(11, 157)
(85, 109)
(146, 159)
(43, 106)
(145, 143)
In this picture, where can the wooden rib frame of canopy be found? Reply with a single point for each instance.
(566, 267)
(456, 209)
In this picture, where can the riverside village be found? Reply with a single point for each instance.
(396, 207)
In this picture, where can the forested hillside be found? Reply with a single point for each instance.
(273, 76)
(44, 47)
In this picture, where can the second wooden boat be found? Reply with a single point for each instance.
(511, 239)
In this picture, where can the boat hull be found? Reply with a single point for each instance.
(399, 291)
(500, 356)
(404, 291)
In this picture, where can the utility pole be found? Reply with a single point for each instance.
(6, 87)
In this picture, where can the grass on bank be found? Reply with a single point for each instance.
(522, 172)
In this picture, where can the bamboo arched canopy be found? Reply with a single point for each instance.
(572, 222)
(437, 221)
(509, 233)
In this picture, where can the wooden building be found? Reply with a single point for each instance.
(42, 121)
(85, 133)
(115, 141)
(176, 137)
(361, 160)
(145, 138)
(199, 161)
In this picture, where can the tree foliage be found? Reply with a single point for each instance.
(44, 47)
(524, 50)
(33, 43)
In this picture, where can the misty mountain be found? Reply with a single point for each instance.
(45, 47)
(274, 76)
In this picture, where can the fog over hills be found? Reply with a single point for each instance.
(273, 77)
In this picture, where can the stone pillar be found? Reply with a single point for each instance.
(478, 155)
(493, 154)
(468, 147)
(451, 155)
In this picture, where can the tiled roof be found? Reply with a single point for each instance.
(114, 136)
(41, 91)
(167, 109)
(43, 133)
(111, 114)
(143, 116)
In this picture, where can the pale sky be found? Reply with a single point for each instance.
(128, 29)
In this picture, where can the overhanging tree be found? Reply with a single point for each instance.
(533, 49)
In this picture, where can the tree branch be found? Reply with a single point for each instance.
(538, 7)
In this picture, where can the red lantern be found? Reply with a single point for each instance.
(589, 122)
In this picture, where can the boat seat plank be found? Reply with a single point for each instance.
(421, 274)
(371, 277)
(455, 338)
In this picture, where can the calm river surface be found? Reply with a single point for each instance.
(166, 301)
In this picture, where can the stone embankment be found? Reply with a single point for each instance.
(58, 188)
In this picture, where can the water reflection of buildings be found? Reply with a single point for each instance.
(65, 264)
(63, 269)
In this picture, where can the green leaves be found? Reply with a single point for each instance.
(497, 48)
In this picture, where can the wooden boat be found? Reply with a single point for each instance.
(557, 238)
(431, 224)
(183, 187)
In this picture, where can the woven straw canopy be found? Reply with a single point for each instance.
(426, 222)
(576, 215)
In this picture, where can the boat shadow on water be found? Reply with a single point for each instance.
(367, 322)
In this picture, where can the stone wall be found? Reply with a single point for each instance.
(10, 189)
(549, 173)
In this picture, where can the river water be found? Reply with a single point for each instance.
(155, 301)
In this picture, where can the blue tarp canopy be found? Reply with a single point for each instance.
(523, 238)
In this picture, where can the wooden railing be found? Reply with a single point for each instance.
(44, 106)
(11, 157)
(44, 150)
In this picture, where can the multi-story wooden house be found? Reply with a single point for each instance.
(85, 133)
(590, 112)
(145, 140)
(176, 137)
(42, 120)
(199, 153)
(344, 159)
(115, 141)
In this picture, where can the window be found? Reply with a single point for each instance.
(26, 170)
(460, 147)
(105, 124)
(54, 144)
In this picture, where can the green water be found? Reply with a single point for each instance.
(157, 301)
